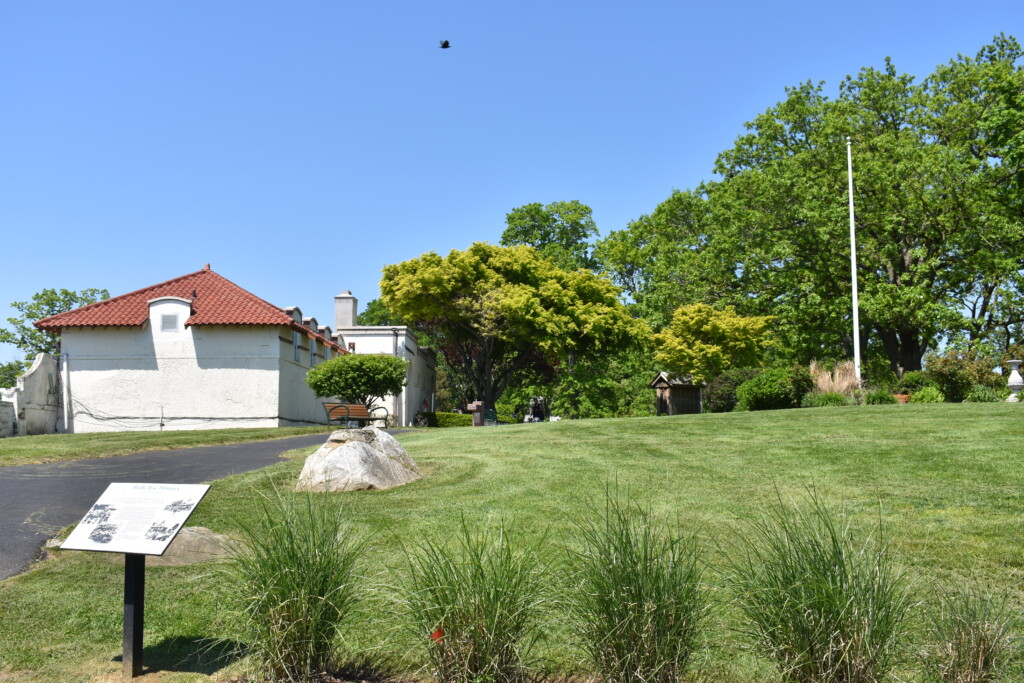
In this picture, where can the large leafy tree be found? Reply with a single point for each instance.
(496, 312)
(561, 231)
(9, 373)
(703, 342)
(376, 313)
(940, 224)
(48, 302)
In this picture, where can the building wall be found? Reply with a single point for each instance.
(299, 405)
(167, 376)
(420, 382)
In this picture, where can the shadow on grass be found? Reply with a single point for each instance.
(189, 654)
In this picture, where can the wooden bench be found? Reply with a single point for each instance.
(354, 412)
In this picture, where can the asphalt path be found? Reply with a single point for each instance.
(37, 501)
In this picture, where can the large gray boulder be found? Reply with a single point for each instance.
(357, 460)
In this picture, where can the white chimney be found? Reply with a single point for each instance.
(345, 306)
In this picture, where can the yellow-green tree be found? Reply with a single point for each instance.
(702, 341)
(495, 312)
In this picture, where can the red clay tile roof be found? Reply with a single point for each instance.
(215, 301)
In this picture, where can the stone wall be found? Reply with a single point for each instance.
(36, 398)
(8, 419)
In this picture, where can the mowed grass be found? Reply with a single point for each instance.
(42, 448)
(946, 481)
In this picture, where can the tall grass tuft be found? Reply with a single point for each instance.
(475, 606)
(823, 607)
(973, 634)
(842, 379)
(295, 570)
(637, 605)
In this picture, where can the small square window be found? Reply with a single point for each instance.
(169, 323)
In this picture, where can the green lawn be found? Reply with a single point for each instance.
(26, 450)
(946, 480)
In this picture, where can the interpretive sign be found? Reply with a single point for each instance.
(141, 519)
(137, 520)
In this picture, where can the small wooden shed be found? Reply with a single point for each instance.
(676, 395)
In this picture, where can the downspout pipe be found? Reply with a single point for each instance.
(65, 372)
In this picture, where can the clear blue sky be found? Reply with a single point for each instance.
(300, 146)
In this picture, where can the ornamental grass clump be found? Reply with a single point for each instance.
(294, 568)
(822, 606)
(841, 379)
(475, 606)
(637, 604)
(973, 638)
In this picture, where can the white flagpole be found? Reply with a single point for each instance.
(853, 263)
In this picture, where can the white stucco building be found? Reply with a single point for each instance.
(393, 340)
(195, 352)
(200, 352)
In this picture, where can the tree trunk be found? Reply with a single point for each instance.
(904, 349)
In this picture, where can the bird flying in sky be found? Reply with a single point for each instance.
(445, 45)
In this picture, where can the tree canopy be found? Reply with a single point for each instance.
(938, 175)
(358, 378)
(493, 312)
(44, 304)
(703, 342)
(560, 231)
(376, 313)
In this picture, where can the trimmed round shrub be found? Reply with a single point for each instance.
(927, 395)
(719, 394)
(914, 381)
(827, 399)
(774, 389)
(880, 397)
(979, 393)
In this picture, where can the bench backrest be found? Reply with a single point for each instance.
(347, 411)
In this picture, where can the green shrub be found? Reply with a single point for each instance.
(476, 608)
(358, 378)
(979, 393)
(881, 397)
(972, 635)
(822, 606)
(878, 374)
(956, 372)
(826, 400)
(294, 570)
(914, 381)
(927, 395)
(773, 389)
(444, 419)
(638, 607)
(719, 395)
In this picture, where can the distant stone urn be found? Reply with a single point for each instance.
(357, 460)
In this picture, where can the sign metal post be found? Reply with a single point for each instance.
(134, 613)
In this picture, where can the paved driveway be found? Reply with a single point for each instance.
(36, 501)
